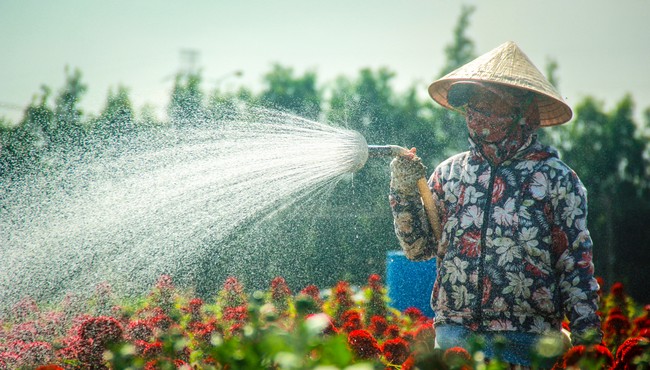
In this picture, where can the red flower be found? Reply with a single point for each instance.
(425, 332)
(160, 320)
(413, 313)
(50, 367)
(312, 291)
(616, 324)
(378, 325)
(232, 293)
(618, 290)
(279, 289)
(140, 330)
(101, 330)
(24, 308)
(629, 351)
(588, 355)
(343, 294)
(645, 333)
(195, 304)
(280, 295)
(351, 321)
(25, 332)
(202, 330)
(165, 282)
(151, 350)
(395, 350)
(233, 285)
(374, 281)
(409, 364)
(363, 344)
(457, 358)
(238, 314)
(392, 331)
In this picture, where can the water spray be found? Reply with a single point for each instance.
(366, 151)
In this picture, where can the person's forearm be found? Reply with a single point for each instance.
(412, 227)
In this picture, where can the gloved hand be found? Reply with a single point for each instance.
(405, 171)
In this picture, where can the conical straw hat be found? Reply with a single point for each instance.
(508, 65)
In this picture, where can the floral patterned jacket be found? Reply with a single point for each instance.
(515, 253)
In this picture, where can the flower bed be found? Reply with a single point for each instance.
(345, 328)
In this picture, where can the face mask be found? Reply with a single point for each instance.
(499, 136)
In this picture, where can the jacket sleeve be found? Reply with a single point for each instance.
(575, 269)
(412, 227)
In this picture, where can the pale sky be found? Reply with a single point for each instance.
(602, 46)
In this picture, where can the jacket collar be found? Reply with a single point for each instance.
(532, 149)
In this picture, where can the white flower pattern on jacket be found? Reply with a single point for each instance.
(518, 252)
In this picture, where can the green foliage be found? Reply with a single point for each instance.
(607, 150)
(186, 105)
(66, 126)
(461, 50)
(298, 95)
(117, 118)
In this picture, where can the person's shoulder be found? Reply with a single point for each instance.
(453, 160)
(552, 162)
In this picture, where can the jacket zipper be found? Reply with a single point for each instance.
(478, 312)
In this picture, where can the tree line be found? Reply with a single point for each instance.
(607, 148)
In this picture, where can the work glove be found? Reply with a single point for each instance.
(405, 171)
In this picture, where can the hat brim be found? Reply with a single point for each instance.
(508, 66)
(552, 111)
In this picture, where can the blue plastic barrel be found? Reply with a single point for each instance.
(410, 283)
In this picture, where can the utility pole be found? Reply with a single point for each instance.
(189, 62)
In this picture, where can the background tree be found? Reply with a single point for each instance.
(298, 95)
(66, 127)
(607, 152)
(117, 117)
(186, 104)
(453, 130)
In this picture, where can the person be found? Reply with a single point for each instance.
(514, 254)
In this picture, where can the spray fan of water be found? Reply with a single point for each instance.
(127, 211)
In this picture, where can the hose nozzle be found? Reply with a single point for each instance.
(364, 151)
